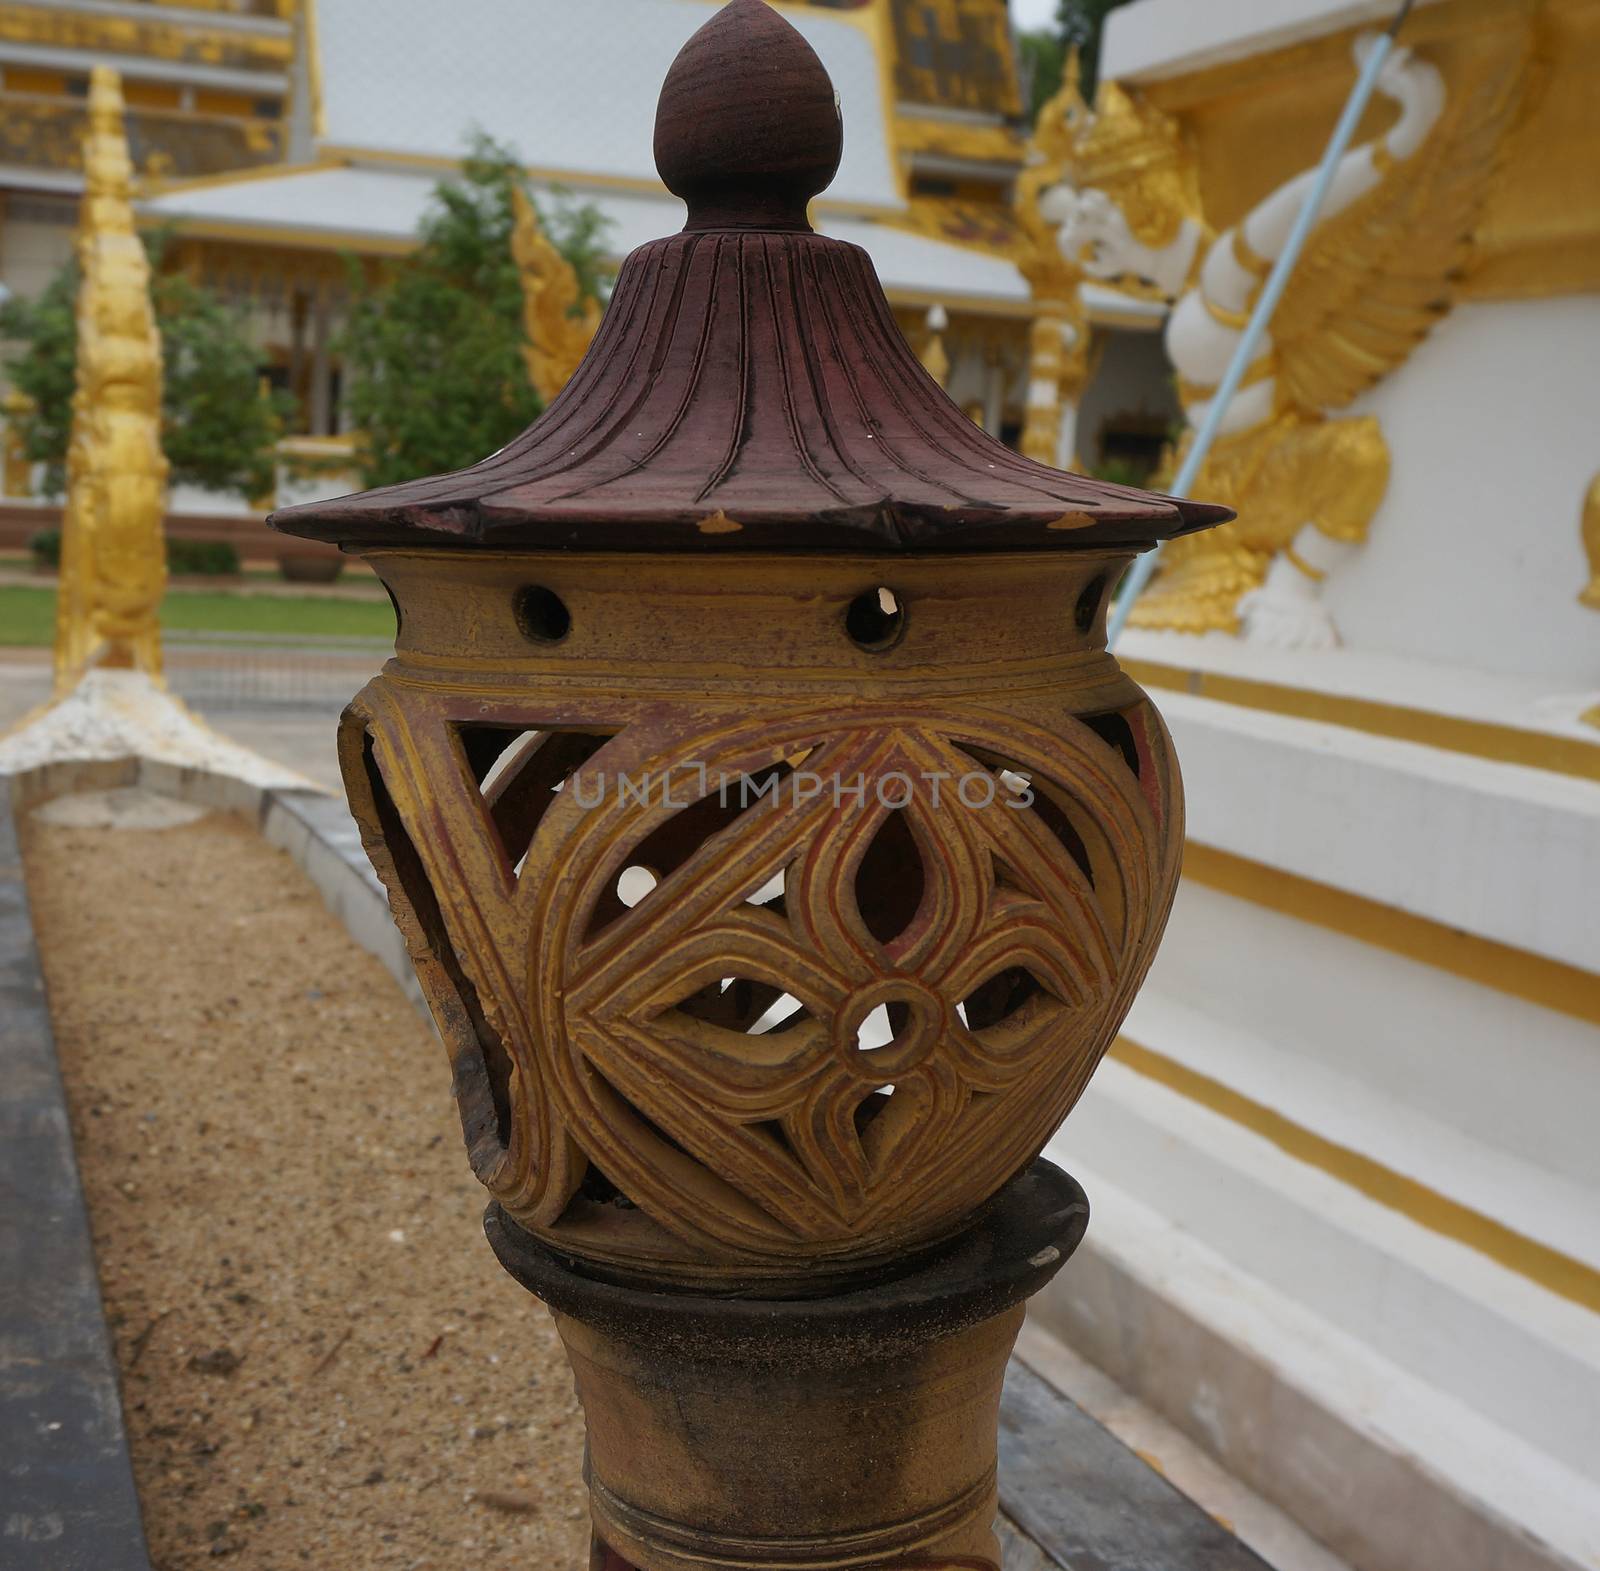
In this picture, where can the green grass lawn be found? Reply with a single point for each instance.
(27, 615)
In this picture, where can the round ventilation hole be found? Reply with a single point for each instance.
(875, 620)
(542, 615)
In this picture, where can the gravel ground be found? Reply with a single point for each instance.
(322, 1363)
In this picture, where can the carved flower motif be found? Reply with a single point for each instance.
(835, 1017)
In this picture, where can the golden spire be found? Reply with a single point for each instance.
(1590, 593)
(557, 338)
(1059, 337)
(113, 558)
(1064, 117)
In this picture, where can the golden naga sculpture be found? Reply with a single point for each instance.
(558, 322)
(113, 557)
(1377, 274)
(1058, 345)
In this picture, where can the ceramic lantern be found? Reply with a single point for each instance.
(779, 849)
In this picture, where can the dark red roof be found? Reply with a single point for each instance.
(750, 372)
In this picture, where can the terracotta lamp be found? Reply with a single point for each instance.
(779, 849)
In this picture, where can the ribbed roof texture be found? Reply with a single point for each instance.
(749, 388)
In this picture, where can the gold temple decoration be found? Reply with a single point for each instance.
(978, 144)
(16, 475)
(234, 45)
(558, 322)
(1138, 156)
(1589, 595)
(1288, 471)
(113, 559)
(1375, 279)
(1058, 346)
(953, 55)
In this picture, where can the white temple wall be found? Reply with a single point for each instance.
(35, 242)
(1154, 39)
(1475, 557)
(1132, 377)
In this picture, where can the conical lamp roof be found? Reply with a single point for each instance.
(749, 388)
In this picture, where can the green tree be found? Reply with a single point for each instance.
(42, 362)
(434, 350)
(1081, 24)
(217, 428)
(1044, 58)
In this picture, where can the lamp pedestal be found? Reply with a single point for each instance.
(854, 1430)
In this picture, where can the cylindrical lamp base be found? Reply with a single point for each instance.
(851, 1431)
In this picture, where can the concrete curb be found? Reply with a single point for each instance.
(67, 1497)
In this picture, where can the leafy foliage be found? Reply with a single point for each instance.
(1044, 58)
(1079, 24)
(45, 546)
(45, 369)
(220, 426)
(209, 558)
(434, 352)
(218, 429)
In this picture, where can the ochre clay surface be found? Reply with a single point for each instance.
(322, 1363)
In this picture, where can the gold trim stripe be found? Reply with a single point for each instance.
(1535, 979)
(1237, 320)
(152, 186)
(1501, 744)
(1247, 256)
(1316, 574)
(1562, 1274)
(290, 238)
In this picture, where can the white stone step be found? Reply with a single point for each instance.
(1508, 1073)
(1502, 851)
(1407, 1400)
(1370, 1120)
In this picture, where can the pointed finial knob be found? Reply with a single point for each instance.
(748, 127)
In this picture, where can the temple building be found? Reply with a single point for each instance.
(206, 87)
(308, 161)
(268, 147)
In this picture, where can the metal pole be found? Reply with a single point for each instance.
(1277, 281)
